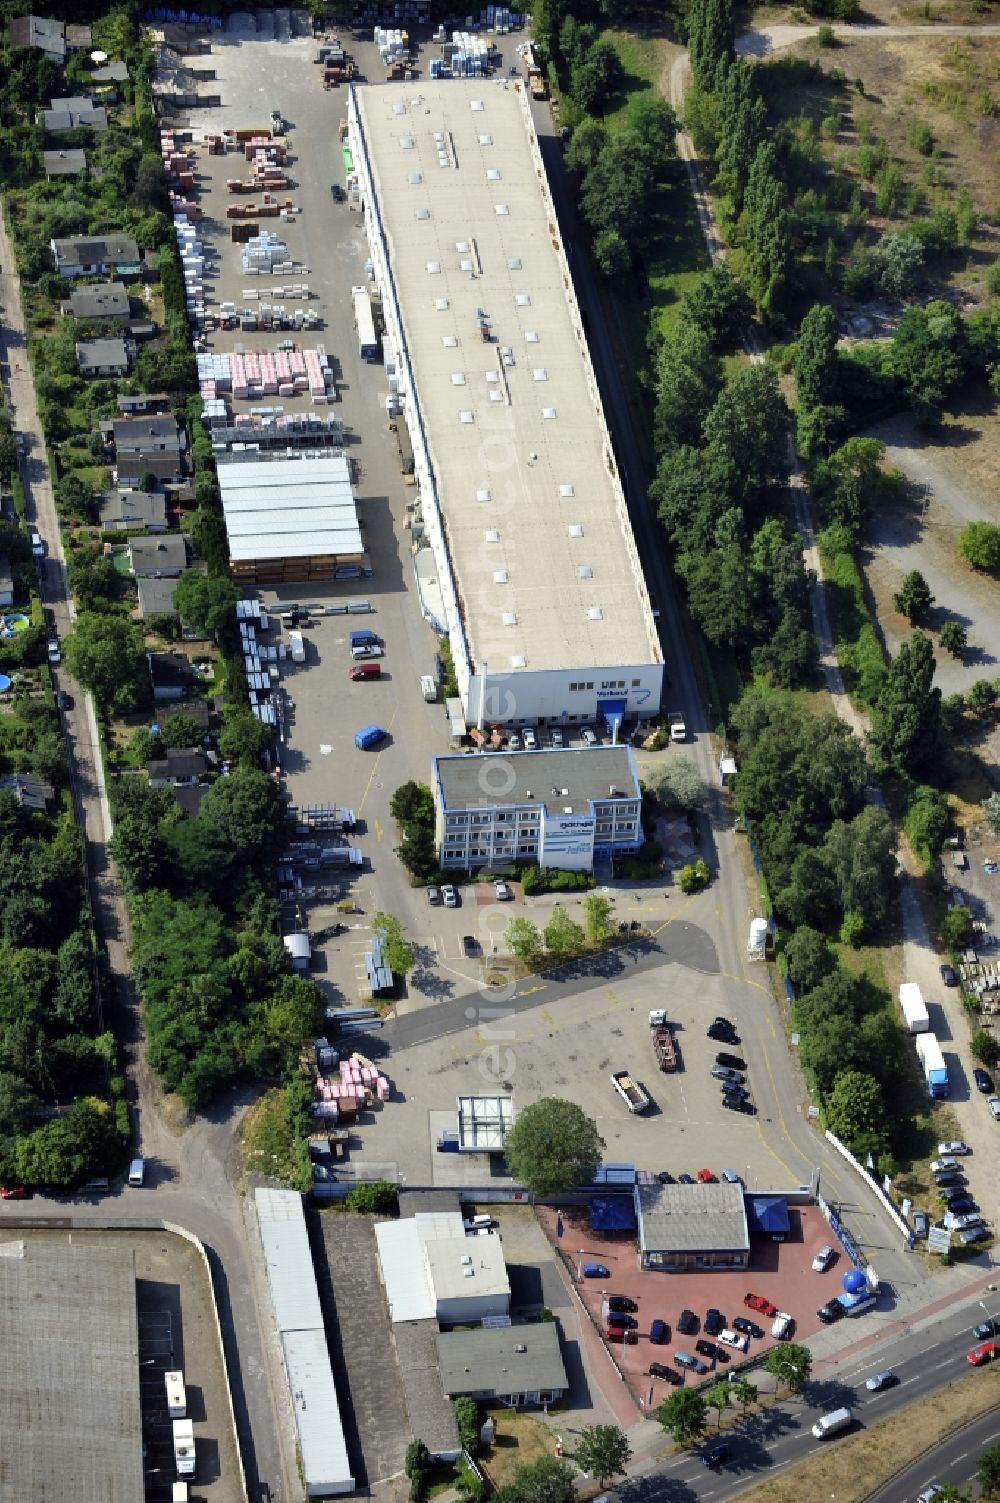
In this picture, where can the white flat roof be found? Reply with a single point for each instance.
(450, 1263)
(290, 508)
(540, 543)
(325, 1465)
(408, 1290)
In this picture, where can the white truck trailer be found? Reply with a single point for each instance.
(184, 1447)
(914, 1008)
(176, 1397)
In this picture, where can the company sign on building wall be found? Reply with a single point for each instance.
(567, 841)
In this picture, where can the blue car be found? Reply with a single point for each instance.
(369, 736)
(595, 1271)
(716, 1455)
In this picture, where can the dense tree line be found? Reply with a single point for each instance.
(56, 1124)
(829, 861)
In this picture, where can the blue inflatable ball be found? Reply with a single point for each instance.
(854, 1281)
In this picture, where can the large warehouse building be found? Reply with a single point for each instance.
(292, 519)
(545, 604)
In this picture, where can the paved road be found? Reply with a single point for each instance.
(955, 1462)
(925, 1356)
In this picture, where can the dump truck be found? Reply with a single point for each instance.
(630, 1091)
(678, 728)
(184, 1447)
(914, 1008)
(665, 1049)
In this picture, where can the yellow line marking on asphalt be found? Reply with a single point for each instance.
(378, 759)
(379, 832)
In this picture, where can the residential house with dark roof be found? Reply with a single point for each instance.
(30, 792)
(511, 1365)
(95, 256)
(40, 32)
(170, 674)
(98, 300)
(103, 357)
(158, 558)
(124, 511)
(143, 401)
(147, 435)
(179, 768)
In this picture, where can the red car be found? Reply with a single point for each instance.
(13, 1192)
(706, 1177)
(758, 1302)
(980, 1355)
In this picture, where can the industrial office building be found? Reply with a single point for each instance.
(564, 808)
(432, 1271)
(516, 1366)
(291, 519)
(543, 597)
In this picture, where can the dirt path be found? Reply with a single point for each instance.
(760, 41)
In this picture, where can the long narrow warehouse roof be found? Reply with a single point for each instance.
(294, 508)
(299, 1319)
(540, 541)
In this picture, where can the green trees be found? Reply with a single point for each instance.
(913, 599)
(552, 1146)
(718, 305)
(106, 654)
(710, 40)
(848, 484)
(550, 1479)
(906, 718)
(983, 1046)
(855, 1112)
(415, 1464)
(809, 957)
(523, 940)
(816, 369)
(956, 928)
(927, 357)
(791, 1363)
(206, 601)
(979, 545)
(688, 380)
(683, 1415)
(467, 1419)
(988, 1473)
(379, 1197)
(602, 1450)
(742, 128)
(768, 245)
(748, 428)
(598, 920)
(400, 955)
(954, 637)
(564, 937)
(412, 807)
(927, 821)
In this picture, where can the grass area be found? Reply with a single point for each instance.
(855, 1467)
(519, 1438)
(267, 1146)
(859, 651)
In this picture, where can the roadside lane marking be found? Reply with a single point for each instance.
(378, 758)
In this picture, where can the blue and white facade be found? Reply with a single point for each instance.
(566, 808)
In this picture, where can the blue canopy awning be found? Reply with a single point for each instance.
(768, 1214)
(613, 711)
(612, 1213)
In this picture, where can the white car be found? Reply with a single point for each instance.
(449, 896)
(734, 1339)
(940, 1166)
(530, 739)
(823, 1259)
(588, 737)
(956, 1223)
(37, 546)
(54, 652)
(502, 892)
(513, 742)
(556, 736)
(956, 1147)
(993, 1102)
(781, 1327)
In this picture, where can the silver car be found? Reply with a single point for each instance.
(823, 1259)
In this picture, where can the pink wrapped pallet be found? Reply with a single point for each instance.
(383, 1088)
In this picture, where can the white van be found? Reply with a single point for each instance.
(428, 688)
(832, 1423)
(297, 647)
(137, 1171)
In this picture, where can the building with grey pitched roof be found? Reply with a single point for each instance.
(76, 110)
(511, 1365)
(692, 1227)
(102, 357)
(40, 32)
(98, 300)
(94, 255)
(156, 597)
(158, 558)
(124, 511)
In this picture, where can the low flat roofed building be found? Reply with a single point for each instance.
(546, 607)
(469, 1279)
(429, 1410)
(123, 511)
(511, 1365)
(99, 300)
(483, 1123)
(290, 519)
(692, 1227)
(102, 357)
(69, 1336)
(64, 163)
(563, 808)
